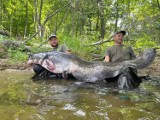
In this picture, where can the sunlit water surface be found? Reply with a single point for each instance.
(23, 99)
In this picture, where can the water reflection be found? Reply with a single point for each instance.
(20, 98)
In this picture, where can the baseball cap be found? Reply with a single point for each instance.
(122, 31)
(53, 35)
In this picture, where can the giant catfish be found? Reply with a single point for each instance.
(88, 71)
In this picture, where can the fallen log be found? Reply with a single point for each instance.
(5, 33)
(15, 45)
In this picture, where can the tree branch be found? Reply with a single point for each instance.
(48, 18)
(101, 41)
(58, 26)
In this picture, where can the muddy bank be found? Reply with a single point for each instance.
(7, 64)
(153, 69)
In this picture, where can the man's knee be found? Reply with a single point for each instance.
(128, 79)
(125, 83)
(38, 68)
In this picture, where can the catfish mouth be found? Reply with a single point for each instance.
(49, 65)
(31, 62)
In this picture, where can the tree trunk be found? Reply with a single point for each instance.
(117, 15)
(39, 20)
(56, 25)
(2, 13)
(72, 21)
(46, 20)
(36, 16)
(102, 18)
(10, 26)
(158, 4)
(97, 22)
(26, 22)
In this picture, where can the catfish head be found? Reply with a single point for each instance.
(36, 58)
(55, 62)
(58, 62)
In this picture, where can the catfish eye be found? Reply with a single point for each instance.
(29, 56)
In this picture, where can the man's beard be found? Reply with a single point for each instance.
(55, 45)
(119, 41)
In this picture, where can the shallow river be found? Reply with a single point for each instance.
(22, 99)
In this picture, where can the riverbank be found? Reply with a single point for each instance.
(152, 70)
(8, 64)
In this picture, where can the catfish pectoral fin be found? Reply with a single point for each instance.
(50, 65)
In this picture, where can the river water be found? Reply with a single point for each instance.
(23, 99)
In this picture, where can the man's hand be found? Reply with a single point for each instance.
(107, 59)
(68, 52)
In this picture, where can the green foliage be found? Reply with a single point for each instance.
(81, 22)
(17, 54)
(2, 51)
(78, 46)
(144, 43)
